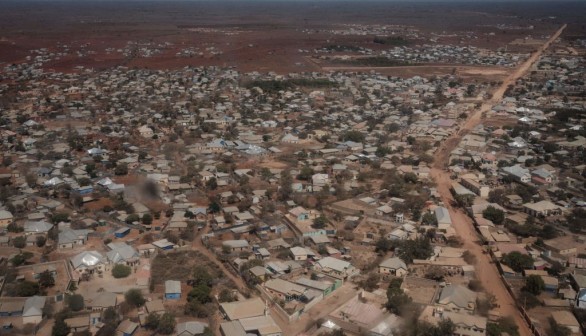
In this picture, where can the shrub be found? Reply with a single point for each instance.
(121, 271)
(75, 302)
(134, 297)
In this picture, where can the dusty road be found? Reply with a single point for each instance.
(486, 271)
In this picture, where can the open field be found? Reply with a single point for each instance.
(249, 36)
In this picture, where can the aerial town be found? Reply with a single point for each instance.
(385, 179)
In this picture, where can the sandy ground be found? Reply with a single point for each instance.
(487, 272)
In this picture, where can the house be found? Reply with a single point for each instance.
(394, 266)
(102, 301)
(5, 218)
(126, 328)
(237, 245)
(242, 309)
(465, 324)
(145, 131)
(78, 323)
(37, 228)
(581, 299)
(122, 253)
(518, 173)
(299, 253)
(88, 262)
(232, 328)
(566, 319)
(172, 290)
(457, 298)
(323, 286)
(33, 310)
(299, 213)
(259, 273)
(284, 290)
(69, 238)
(442, 215)
(191, 328)
(155, 307)
(336, 268)
(542, 209)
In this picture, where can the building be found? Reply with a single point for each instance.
(102, 301)
(457, 298)
(33, 310)
(284, 289)
(518, 173)
(566, 319)
(88, 262)
(394, 266)
(336, 268)
(466, 324)
(126, 328)
(191, 328)
(122, 253)
(542, 209)
(242, 309)
(69, 238)
(236, 245)
(232, 328)
(5, 218)
(172, 290)
(442, 215)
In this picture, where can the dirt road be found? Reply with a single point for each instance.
(486, 272)
(198, 246)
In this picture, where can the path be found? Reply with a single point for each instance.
(486, 272)
(198, 246)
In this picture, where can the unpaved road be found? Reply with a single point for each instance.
(486, 272)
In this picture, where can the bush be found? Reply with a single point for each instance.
(75, 302)
(493, 214)
(40, 241)
(27, 288)
(534, 284)
(121, 271)
(134, 297)
(19, 242)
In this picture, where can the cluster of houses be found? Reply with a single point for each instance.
(295, 189)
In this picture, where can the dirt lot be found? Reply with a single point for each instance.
(246, 36)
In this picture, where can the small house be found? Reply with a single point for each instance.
(172, 290)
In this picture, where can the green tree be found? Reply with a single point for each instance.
(121, 169)
(60, 328)
(121, 271)
(166, 324)
(202, 276)
(19, 242)
(465, 200)
(226, 295)
(504, 325)
(21, 258)
(397, 300)
(493, 214)
(27, 288)
(285, 188)
(534, 284)
(306, 173)
(152, 321)
(200, 293)
(147, 219)
(320, 222)
(132, 218)
(558, 329)
(46, 279)
(212, 184)
(134, 297)
(75, 302)
(517, 261)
